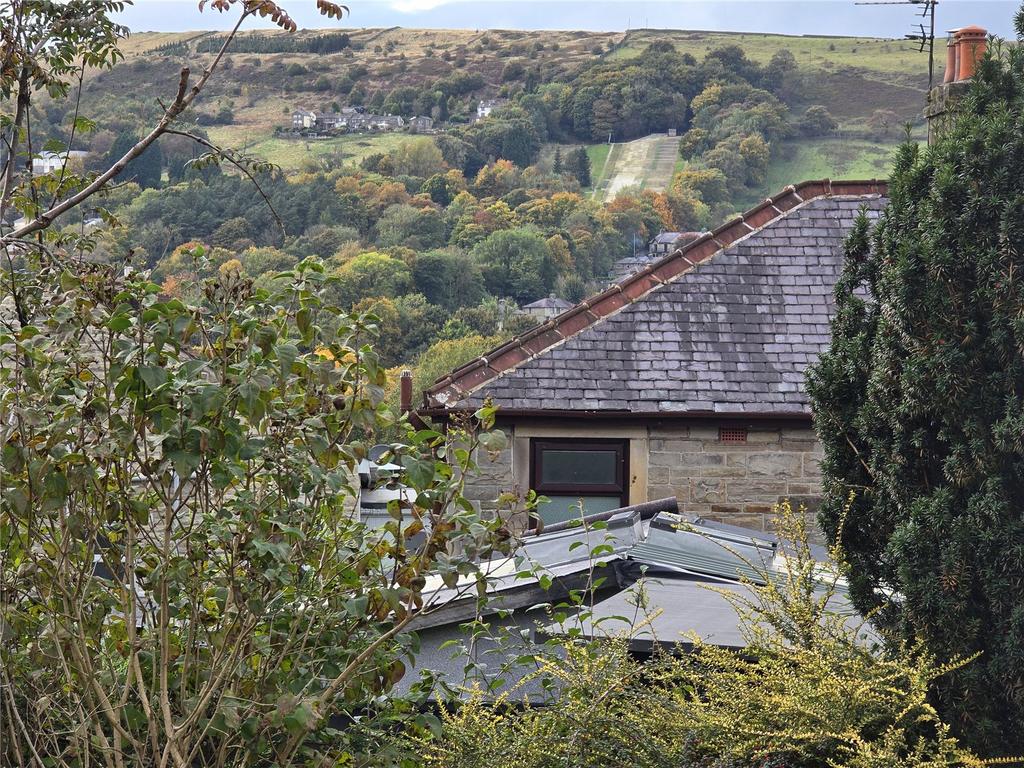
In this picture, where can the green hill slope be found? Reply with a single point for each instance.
(853, 78)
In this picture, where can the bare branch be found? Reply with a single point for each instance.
(182, 100)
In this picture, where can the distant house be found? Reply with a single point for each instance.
(386, 122)
(421, 124)
(487, 106)
(329, 121)
(659, 247)
(684, 379)
(666, 242)
(547, 307)
(48, 162)
(303, 119)
(348, 119)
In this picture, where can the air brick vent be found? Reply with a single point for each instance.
(732, 434)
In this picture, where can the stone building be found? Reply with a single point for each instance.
(546, 308)
(685, 379)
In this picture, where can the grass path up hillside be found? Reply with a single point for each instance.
(648, 162)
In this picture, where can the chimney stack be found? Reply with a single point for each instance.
(405, 392)
(964, 50)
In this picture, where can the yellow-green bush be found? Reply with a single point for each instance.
(809, 690)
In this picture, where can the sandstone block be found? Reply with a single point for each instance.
(708, 491)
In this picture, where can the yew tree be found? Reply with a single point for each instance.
(920, 405)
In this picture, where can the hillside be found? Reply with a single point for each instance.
(853, 78)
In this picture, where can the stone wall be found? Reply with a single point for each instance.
(735, 483)
(491, 478)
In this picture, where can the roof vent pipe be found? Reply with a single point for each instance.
(405, 392)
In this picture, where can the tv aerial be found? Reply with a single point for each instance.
(925, 34)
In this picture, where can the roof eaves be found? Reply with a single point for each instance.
(555, 331)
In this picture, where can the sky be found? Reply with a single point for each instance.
(798, 17)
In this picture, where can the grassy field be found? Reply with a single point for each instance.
(291, 154)
(598, 154)
(891, 58)
(823, 158)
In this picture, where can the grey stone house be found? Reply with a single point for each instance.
(668, 242)
(546, 308)
(684, 379)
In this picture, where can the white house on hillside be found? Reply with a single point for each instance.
(48, 162)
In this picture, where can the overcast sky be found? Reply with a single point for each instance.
(821, 17)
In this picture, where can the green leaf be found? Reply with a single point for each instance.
(420, 472)
(119, 323)
(494, 441)
(300, 719)
(286, 355)
(153, 376)
(303, 320)
(356, 606)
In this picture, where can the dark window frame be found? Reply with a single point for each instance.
(619, 488)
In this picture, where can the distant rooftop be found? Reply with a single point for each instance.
(549, 302)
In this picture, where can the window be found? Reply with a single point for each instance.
(595, 472)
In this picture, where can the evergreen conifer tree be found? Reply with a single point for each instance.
(556, 166)
(146, 169)
(580, 165)
(920, 405)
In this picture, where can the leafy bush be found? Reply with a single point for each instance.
(184, 580)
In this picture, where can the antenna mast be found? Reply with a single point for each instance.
(925, 35)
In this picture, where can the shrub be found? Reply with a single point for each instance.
(805, 692)
(181, 570)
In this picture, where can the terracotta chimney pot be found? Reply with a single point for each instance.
(972, 42)
(951, 57)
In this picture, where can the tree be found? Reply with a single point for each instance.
(709, 183)
(183, 581)
(418, 158)
(579, 163)
(416, 228)
(443, 187)
(755, 153)
(372, 274)
(556, 165)
(689, 212)
(516, 263)
(232, 231)
(882, 122)
(448, 278)
(816, 121)
(782, 63)
(918, 405)
(146, 169)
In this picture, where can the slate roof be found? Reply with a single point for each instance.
(725, 325)
(549, 302)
